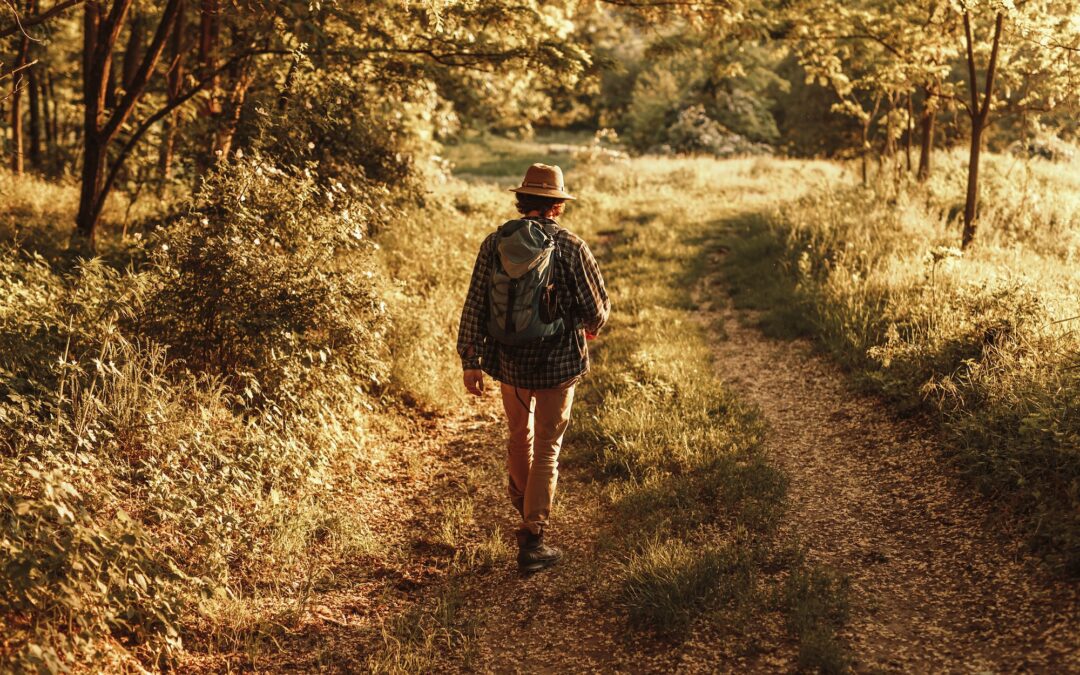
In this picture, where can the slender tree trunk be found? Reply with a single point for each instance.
(971, 205)
(910, 132)
(926, 146)
(34, 90)
(53, 122)
(46, 113)
(209, 30)
(18, 83)
(233, 105)
(90, 194)
(95, 72)
(175, 79)
(979, 114)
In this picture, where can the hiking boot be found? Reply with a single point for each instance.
(533, 554)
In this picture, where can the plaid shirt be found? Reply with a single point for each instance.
(550, 361)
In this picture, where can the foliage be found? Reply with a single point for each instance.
(260, 283)
(135, 484)
(694, 132)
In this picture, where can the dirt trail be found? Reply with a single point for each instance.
(555, 621)
(935, 586)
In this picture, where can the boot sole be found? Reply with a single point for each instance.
(537, 566)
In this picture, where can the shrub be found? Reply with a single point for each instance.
(694, 132)
(263, 283)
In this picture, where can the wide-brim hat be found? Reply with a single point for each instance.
(543, 180)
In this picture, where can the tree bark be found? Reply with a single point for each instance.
(47, 113)
(971, 205)
(53, 123)
(34, 91)
(233, 105)
(910, 131)
(209, 30)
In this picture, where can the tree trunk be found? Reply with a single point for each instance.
(209, 30)
(971, 206)
(926, 146)
(34, 90)
(53, 123)
(47, 113)
(979, 112)
(232, 107)
(90, 195)
(18, 83)
(175, 81)
(910, 132)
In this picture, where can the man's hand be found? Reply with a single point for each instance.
(474, 381)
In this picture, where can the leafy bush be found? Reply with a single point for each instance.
(694, 132)
(67, 579)
(263, 282)
(136, 478)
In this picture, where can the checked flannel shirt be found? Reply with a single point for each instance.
(551, 361)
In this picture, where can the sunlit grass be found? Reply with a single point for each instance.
(986, 338)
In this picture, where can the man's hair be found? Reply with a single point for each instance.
(527, 203)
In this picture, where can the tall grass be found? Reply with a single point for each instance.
(141, 493)
(984, 339)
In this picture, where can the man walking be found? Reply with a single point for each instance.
(535, 297)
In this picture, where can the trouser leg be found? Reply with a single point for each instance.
(518, 403)
(551, 416)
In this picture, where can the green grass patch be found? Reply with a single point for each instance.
(815, 600)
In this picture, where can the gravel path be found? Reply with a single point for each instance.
(936, 587)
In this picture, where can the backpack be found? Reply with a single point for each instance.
(522, 301)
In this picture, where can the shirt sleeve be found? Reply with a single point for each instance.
(592, 298)
(473, 329)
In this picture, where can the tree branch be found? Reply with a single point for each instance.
(149, 122)
(31, 21)
(973, 76)
(146, 68)
(988, 97)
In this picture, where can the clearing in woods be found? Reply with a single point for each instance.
(935, 585)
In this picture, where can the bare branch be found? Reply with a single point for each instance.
(22, 23)
(991, 70)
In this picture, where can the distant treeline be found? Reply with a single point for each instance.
(121, 94)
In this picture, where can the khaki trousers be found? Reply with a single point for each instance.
(537, 419)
